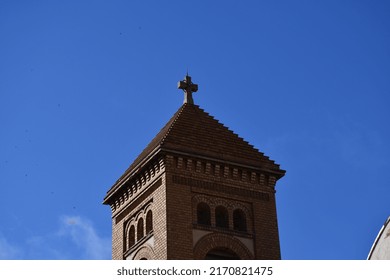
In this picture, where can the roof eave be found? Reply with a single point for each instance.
(129, 174)
(279, 173)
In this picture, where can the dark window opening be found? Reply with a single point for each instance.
(131, 238)
(140, 229)
(239, 220)
(203, 214)
(149, 222)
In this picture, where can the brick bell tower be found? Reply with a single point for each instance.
(197, 191)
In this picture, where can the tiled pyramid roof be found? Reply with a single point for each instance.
(191, 130)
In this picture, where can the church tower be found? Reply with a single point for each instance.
(197, 191)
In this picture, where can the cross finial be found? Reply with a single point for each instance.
(188, 87)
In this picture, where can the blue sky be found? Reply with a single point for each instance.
(85, 85)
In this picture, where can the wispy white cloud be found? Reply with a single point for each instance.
(84, 236)
(75, 238)
(7, 250)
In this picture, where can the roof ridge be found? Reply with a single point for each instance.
(152, 144)
(172, 123)
(231, 131)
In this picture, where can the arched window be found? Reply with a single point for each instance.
(140, 229)
(131, 238)
(239, 220)
(149, 222)
(203, 214)
(221, 217)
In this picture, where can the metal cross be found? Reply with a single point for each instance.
(188, 87)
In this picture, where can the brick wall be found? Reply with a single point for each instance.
(172, 195)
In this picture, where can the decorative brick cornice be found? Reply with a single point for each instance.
(125, 211)
(253, 178)
(135, 185)
(219, 187)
